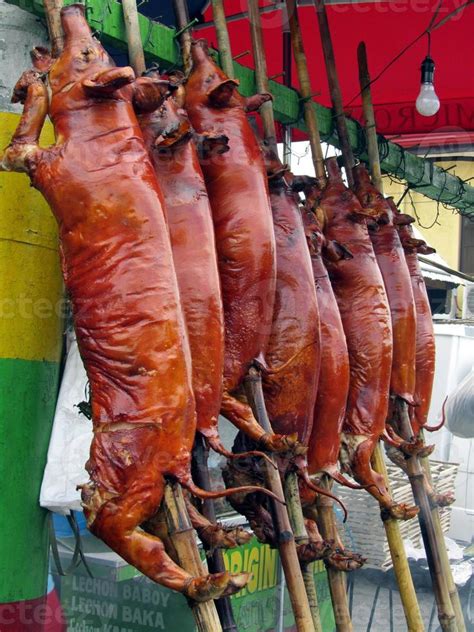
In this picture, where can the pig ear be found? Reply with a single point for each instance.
(41, 58)
(221, 94)
(424, 249)
(109, 81)
(403, 219)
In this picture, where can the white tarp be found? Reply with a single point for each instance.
(70, 440)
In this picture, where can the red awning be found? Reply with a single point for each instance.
(386, 27)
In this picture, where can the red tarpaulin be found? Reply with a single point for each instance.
(386, 27)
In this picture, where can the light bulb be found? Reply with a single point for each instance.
(427, 103)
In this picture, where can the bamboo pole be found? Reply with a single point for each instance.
(52, 9)
(286, 45)
(401, 568)
(180, 530)
(261, 75)
(185, 38)
(336, 578)
(433, 544)
(370, 127)
(295, 514)
(215, 561)
(286, 540)
(305, 91)
(223, 41)
(446, 566)
(335, 89)
(134, 40)
(183, 538)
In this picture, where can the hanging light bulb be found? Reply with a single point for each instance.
(427, 103)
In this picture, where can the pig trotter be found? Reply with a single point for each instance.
(282, 444)
(255, 102)
(215, 586)
(215, 536)
(441, 500)
(344, 561)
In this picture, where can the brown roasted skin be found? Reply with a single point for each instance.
(237, 186)
(333, 387)
(363, 305)
(169, 139)
(425, 338)
(294, 348)
(391, 260)
(118, 270)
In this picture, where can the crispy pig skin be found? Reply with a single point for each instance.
(425, 338)
(391, 260)
(294, 352)
(237, 185)
(363, 305)
(169, 139)
(333, 387)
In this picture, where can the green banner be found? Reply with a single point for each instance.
(106, 604)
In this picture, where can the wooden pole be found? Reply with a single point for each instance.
(184, 541)
(335, 89)
(370, 128)
(223, 41)
(295, 513)
(134, 40)
(286, 42)
(401, 568)
(433, 544)
(215, 561)
(181, 532)
(261, 75)
(185, 39)
(446, 566)
(336, 578)
(306, 92)
(286, 541)
(52, 9)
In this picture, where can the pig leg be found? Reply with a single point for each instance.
(241, 416)
(215, 536)
(23, 154)
(356, 453)
(415, 447)
(337, 557)
(316, 548)
(117, 522)
(436, 500)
